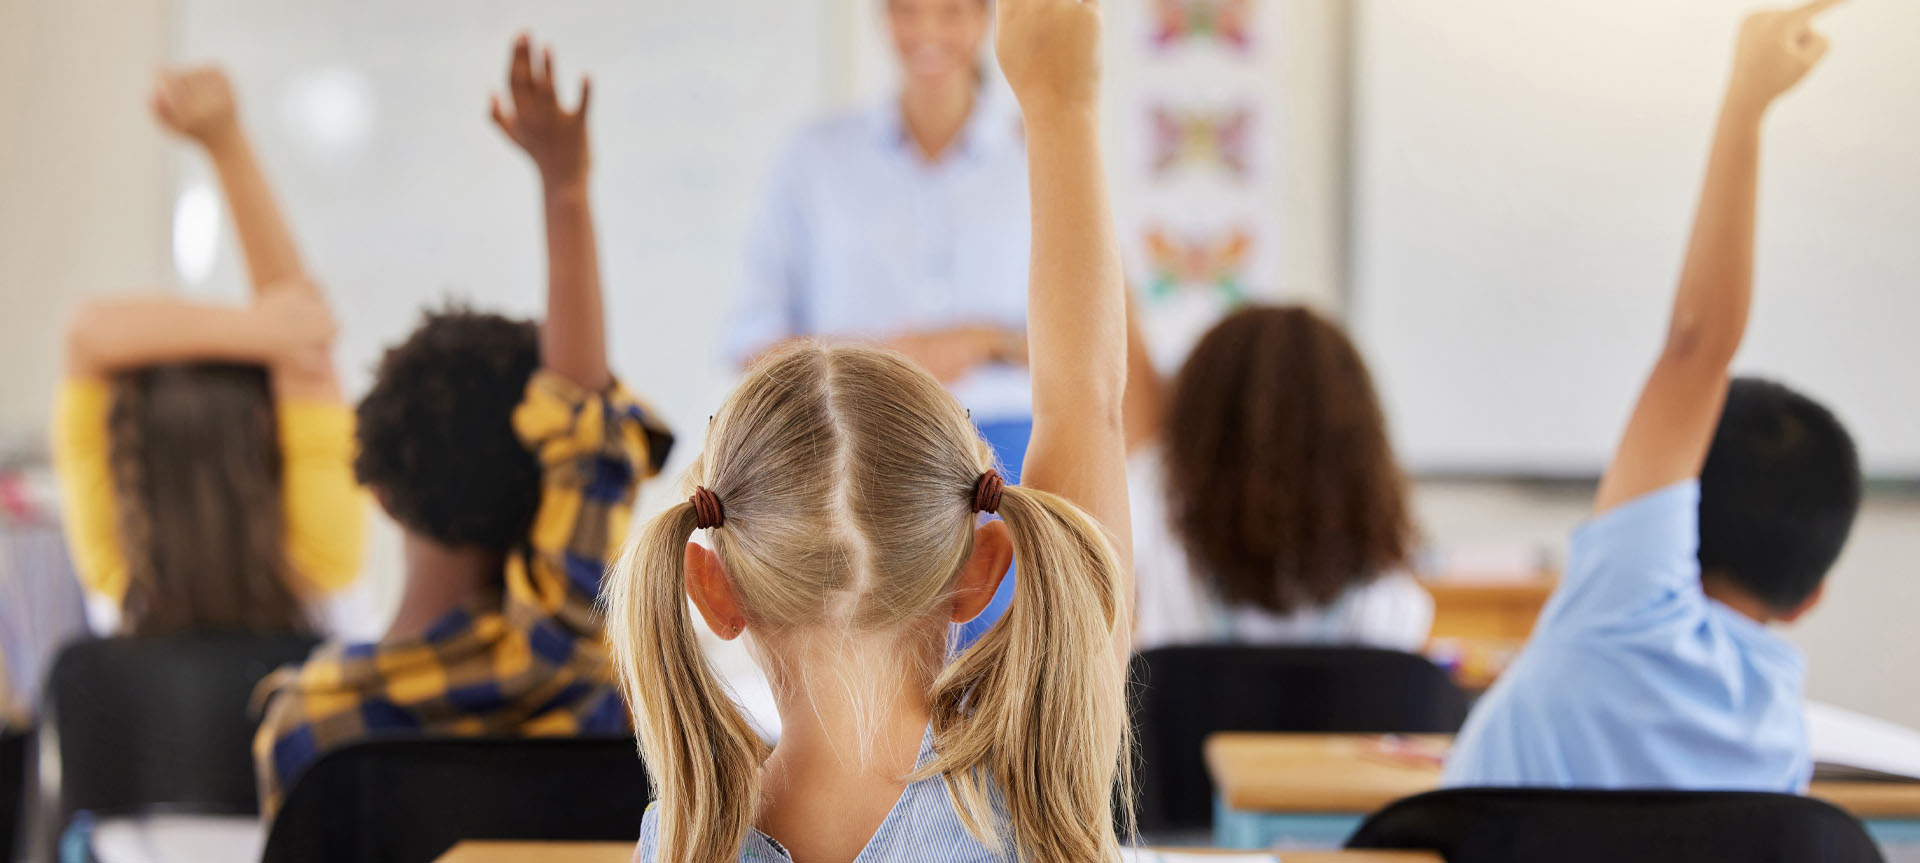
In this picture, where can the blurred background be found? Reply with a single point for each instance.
(1494, 195)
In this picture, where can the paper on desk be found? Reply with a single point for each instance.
(1143, 855)
(1849, 745)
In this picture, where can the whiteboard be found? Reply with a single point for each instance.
(371, 117)
(1524, 179)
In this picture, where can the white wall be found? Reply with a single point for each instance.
(83, 182)
(1525, 173)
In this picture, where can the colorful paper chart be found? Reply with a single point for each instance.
(1208, 262)
(1226, 21)
(1220, 139)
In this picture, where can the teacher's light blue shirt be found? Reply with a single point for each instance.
(1634, 678)
(863, 238)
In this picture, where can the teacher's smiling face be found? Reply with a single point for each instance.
(938, 40)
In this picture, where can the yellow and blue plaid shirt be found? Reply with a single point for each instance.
(537, 664)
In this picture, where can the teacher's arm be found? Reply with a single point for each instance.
(952, 353)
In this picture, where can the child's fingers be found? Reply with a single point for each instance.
(586, 96)
(161, 111)
(520, 72)
(544, 81)
(500, 116)
(1815, 48)
(172, 96)
(1816, 7)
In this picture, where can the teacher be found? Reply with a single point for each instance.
(905, 225)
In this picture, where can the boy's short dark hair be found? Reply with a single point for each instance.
(436, 431)
(1778, 493)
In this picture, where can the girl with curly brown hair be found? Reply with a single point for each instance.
(1268, 505)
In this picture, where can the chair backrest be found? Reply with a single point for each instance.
(407, 800)
(144, 725)
(1183, 695)
(13, 783)
(1497, 825)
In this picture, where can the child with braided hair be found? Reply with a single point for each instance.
(203, 450)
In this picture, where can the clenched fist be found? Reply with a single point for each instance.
(196, 102)
(1050, 52)
(1776, 49)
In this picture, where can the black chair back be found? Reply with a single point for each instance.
(407, 800)
(147, 725)
(1499, 825)
(14, 746)
(1183, 695)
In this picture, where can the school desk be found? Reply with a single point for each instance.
(1313, 790)
(1480, 623)
(622, 852)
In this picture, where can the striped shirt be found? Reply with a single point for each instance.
(922, 827)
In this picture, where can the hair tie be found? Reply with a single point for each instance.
(986, 492)
(707, 511)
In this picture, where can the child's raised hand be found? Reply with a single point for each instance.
(555, 138)
(1776, 49)
(196, 102)
(1050, 53)
(297, 326)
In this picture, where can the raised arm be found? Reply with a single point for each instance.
(285, 330)
(573, 340)
(197, 104)
(1146, 398)
(1667, 438)
(1076, 300)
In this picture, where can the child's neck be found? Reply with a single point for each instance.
(439, 579)
(824, 793)
(1719, 589)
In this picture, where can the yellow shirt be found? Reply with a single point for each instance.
(325, 508)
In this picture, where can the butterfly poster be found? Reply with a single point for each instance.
(1198, 160)
(1207, 262)
(1226, 22)
(1212, 140)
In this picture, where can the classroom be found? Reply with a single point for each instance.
(882, 431)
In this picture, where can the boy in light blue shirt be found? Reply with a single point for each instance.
(1723, 509)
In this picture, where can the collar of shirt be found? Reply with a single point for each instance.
(993, 125)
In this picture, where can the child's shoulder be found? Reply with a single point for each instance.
(1633, 566)
(1655, 527)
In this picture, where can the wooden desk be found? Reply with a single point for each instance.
(622, 852)
(1346, 774)
(558, 852)
(1479, 625)
(1486, 608)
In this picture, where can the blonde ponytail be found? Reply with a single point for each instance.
(702, 755)
(1035, 711)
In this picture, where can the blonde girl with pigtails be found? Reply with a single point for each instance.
(838, 496)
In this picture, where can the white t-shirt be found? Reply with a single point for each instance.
(1392, 611)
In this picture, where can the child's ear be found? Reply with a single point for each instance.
(1805, 605)
(980, 576)
(712, 593)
